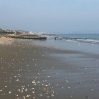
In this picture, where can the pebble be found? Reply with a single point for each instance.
(9, 92)
(92, 89)
(33, 82)
(41, 95)
(52, 95)
(28, 95)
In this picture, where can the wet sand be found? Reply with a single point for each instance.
(29, 71)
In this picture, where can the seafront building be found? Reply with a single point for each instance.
(8, 31)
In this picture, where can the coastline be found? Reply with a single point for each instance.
(30, 71)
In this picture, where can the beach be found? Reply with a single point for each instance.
(34, 69)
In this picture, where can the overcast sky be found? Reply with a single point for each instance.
(50, 15)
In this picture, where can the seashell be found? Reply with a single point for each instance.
(52, 95)
(41, 95)
(17, 80)
(9, 92)
(47, 96)
(26, 90)
(24, 97)
(92, 89)
(33, 92)
(38, 81)
(33, 81)
(28, 95)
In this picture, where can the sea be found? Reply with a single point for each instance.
(80, 42)
(86, 38)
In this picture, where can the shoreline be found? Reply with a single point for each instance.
(30, 71)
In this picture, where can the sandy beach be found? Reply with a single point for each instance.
(30, 71)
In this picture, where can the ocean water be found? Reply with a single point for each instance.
(79, 42)
(86, 38)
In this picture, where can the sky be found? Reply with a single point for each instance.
(50, 15)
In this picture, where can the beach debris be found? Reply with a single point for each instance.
(57, 84)
(33, 97)
(33, 91)
(95, 79)
(44, 89)
(15, 76)
(49, 84)
(16, 95)
(24, 97)
(28, 95)
(71, 96)
(25, 89)
(52, 95)
(0, 90)
(9, 92)
(47, 96)
(52, 67)
(92, 89)
(48, 76)
(33, 82)
(46, 85)
(69, 87)
(38, 82)
(40, 95)
(79, 82)
(38, 73)
(17, 80)
(20, 90)
(67, 81)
